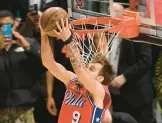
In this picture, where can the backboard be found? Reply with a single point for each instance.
(150, 25)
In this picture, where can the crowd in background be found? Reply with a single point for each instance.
(28, 91)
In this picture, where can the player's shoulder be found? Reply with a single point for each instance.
(106, 88)
(107, 98)
(72, 76)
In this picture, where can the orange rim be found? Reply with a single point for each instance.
(126, 25)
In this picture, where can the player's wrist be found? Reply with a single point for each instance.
(69, 40)
(42, 32)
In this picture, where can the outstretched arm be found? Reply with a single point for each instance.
(49, 62)
(94, 87)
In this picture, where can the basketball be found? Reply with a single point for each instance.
(49, 18)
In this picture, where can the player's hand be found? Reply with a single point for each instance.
(118, 81)
(64, 30)
(51, 106)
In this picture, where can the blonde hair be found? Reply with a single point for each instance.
(107, 70)
(100, 42)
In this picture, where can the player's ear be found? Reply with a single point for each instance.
(100, 79)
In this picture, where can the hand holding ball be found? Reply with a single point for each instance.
(50, 17)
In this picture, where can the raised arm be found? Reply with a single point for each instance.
(94, 87)
(49, 62)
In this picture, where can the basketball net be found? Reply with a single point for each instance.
(106, 30)
(91, 44)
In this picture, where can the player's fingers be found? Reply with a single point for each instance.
(57, 33)
(58, 26)
(62, 24)
(67, 23)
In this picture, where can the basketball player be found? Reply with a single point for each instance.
(87, 99)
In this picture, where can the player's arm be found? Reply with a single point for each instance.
(79, 67)
(107, 117)
(94, 87)
(49, 62)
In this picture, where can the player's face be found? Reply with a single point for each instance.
(94, 70)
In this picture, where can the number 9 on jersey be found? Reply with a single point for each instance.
(76, 117)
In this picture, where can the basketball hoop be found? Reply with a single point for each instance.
(126, 26)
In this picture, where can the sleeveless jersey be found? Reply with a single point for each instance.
(78, 106)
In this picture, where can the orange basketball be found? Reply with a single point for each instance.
(49, 18)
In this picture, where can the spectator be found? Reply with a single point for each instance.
(54, 87)
(30, 27)
(59, 87)
(15, 6)
(158, 79)
(134, 81)
(121, 117)
(52, 101)
(20, 67)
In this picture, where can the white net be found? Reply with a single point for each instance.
(93, 43)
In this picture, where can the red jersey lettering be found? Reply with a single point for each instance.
(78, 106)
